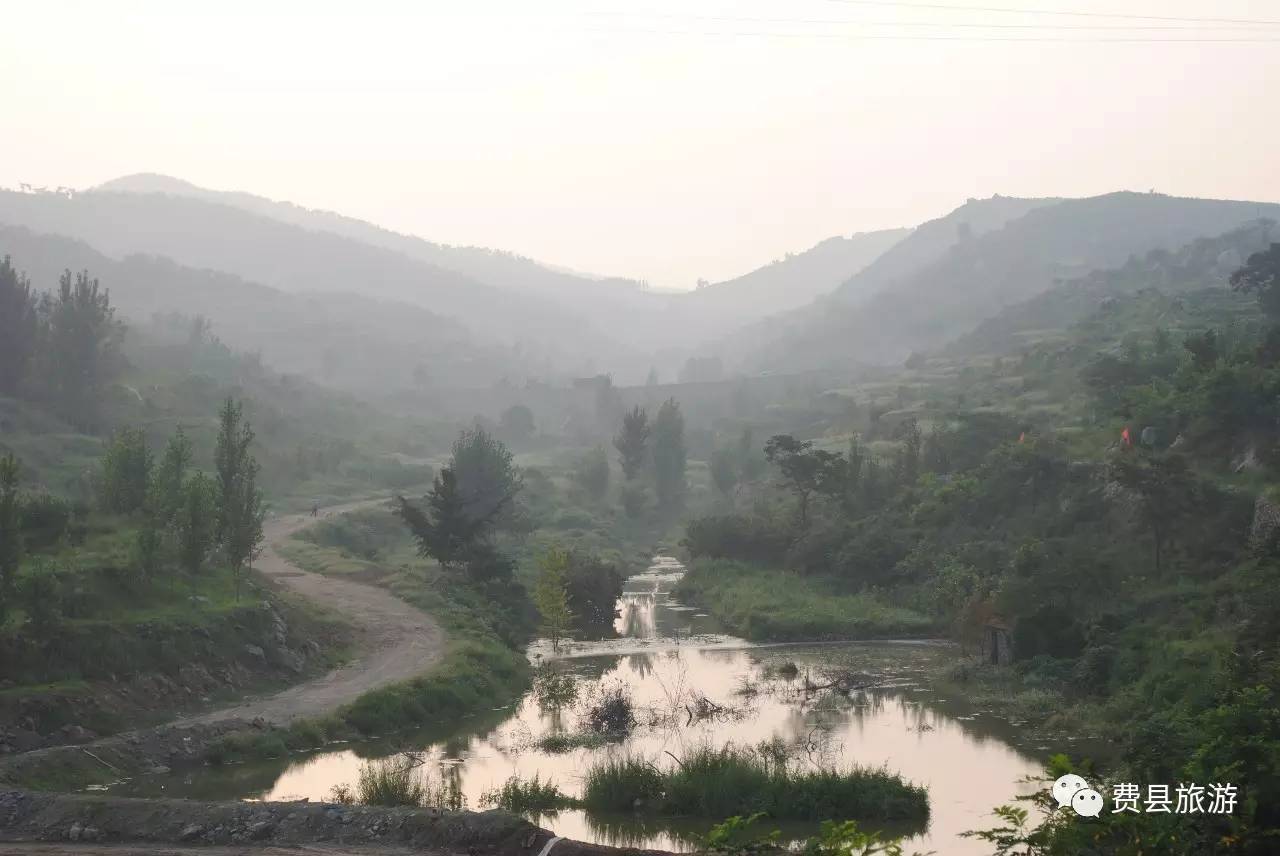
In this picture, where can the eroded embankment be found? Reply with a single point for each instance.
(95, 821)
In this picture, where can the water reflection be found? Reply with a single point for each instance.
(966, 758)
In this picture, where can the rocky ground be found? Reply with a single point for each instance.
(58, 824)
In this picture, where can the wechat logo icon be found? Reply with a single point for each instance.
(1072, 790)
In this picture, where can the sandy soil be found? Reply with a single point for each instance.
(396, 641)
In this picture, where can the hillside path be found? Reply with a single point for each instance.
(395, 641)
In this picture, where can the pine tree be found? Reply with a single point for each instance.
(632, 442)
(18, 327)
(670, 457)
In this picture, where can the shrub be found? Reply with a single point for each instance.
(43, 519)
(397, 782)
(610, 712)
(531, 796)
(736, 536)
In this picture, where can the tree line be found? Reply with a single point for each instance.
(61, 346)
(182, 516)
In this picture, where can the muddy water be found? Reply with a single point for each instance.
(666, 653)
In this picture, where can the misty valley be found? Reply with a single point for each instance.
(316, 534)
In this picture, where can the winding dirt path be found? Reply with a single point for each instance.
(396, 641)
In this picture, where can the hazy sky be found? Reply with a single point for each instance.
(663, 140)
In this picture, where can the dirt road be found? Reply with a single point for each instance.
(396, 641)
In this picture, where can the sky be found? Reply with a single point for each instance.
(665, 141)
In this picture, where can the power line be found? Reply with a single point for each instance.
(928, 24)
(898, 4)
(855, 37)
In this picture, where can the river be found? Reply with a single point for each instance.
(667, 653)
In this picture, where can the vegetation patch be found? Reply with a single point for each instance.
(765, 605)
(732, 781)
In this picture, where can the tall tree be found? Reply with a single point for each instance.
(17, 327)
(670, 457)
(197, 525)
(551, 595)
(1167, 493)
(805, 469)
(632, 442)
(10, 532)
(451, 533)
(487, 477)
(126, 472)
(592, 473)
(83, 337)
(169, 477)
(240, 508)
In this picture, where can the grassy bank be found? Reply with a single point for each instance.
(765, 605)
(480, 669)
(726, 782)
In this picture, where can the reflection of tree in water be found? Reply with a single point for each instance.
(636, 617)
(640, 664)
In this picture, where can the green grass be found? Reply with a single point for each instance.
(730, 781)
(558, 744)
(528, 796)
(768, 605)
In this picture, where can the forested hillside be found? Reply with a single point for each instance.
(1099, 509)
(983, 273)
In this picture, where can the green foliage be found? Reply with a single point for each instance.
(197, 524)
(44, 519)
(41, 593)
(395, 782)
(736, 836)
(11, 546)
(516, 423)
(126, 472)
(1261, 276)
(591, 472)
(82, 347)
(669, 455)
(724, 470)
(487, 478)
(806, 470)
(551, 595)
(766, 605)
(632, 442)
(634, 499)
(593, 587)
(527, 796)
(240, 510)
(736, 536)
(19, 329)
(731, 781)
(169, 478)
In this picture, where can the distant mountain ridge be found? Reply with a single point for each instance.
(980, 275)
(587, 324)
(347, 341)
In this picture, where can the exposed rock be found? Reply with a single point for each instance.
(191, 832)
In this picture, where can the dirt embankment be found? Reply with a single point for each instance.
(393, 642)
(396, 641)
(99, 825)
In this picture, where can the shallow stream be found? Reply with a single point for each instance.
(668, 654)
